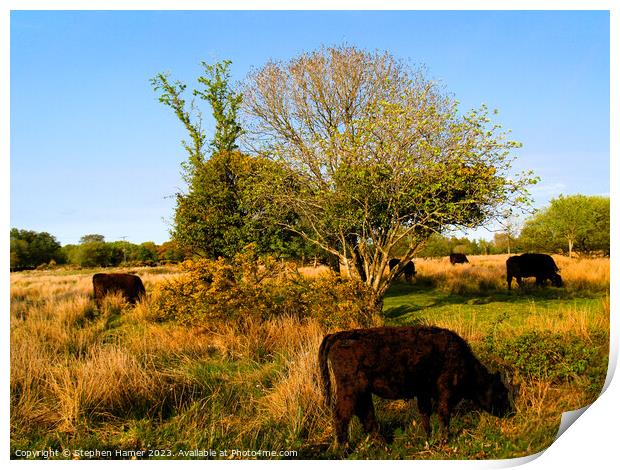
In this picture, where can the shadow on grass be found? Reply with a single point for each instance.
(412, 298)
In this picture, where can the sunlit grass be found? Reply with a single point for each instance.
(116, 378)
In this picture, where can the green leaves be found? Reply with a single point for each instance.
(379, 152)
(31, 249)
(221, 212)
(171, 94)
(574, 222)
(224, 103)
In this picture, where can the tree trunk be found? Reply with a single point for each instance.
(333, 262)
(359, 264)
(570, 247)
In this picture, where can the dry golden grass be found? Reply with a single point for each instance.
(485, 273)
(72, 365)
(314, 271)
(296, 399)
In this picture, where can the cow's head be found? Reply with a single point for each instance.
(496, 397)
(556, 280)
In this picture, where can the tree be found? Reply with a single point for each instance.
(435, 246)
(598, 238)
(218, 214)
(147, 252)
(224, 103)
(170, 251)
(94, 237)
(94, 253)
(568, 223)
(31, 249)
(371, 152)
(509, 224)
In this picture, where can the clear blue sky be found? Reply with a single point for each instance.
(92, 151)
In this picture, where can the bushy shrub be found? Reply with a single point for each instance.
(551, 356)
(252, 289)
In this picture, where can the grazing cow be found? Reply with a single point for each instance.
(537, 265)
(458, 258)
(408, 270)
(129, 285)
(430, 363)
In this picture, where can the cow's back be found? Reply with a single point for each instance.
(398, 362)
(531, 264)
(129, 285)
(457, 258)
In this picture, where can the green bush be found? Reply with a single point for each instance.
(552, 356)
(250, 289)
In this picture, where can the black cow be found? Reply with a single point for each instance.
(458, 258)
(430, 363)
(537, 265)
(408, 269)
(129, 285)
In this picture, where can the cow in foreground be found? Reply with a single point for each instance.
(458, 258)
(129, 285)
(430, 363)
(537, 265)
(408, 269)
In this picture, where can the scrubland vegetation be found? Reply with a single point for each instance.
(154, 377)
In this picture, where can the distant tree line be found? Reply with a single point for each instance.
(570, 224)
(574, 223)
(31, 249)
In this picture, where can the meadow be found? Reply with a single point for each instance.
(97, 383)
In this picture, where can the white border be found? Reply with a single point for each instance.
(591, 442)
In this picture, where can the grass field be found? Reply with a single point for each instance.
(99, 382)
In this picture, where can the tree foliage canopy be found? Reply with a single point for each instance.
(575, 222)
(31, 249)
(372, 152)
(219, 214)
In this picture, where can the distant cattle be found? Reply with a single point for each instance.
(458, 258)
(408, 269)
(430, 363)
(129, 285)
(537, 265)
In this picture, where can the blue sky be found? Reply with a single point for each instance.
(92, 151)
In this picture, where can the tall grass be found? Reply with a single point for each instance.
(115, 377)
(488, 273)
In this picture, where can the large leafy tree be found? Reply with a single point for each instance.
(574, 222)
(371, 153)
(31, 249)
(218, 215)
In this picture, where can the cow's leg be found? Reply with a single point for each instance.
(444, 408)
(365, 411)
(425, 407)
(519, 281)
(509, 281)
(343, 411)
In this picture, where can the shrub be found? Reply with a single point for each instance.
(248, 289)
(551, 356)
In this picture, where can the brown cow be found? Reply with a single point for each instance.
(458, 258)
(129, 285)
(408, 269)
(430, 363)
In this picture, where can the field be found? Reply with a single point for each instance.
(115, 383)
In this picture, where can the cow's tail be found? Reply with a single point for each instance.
(324, 369)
